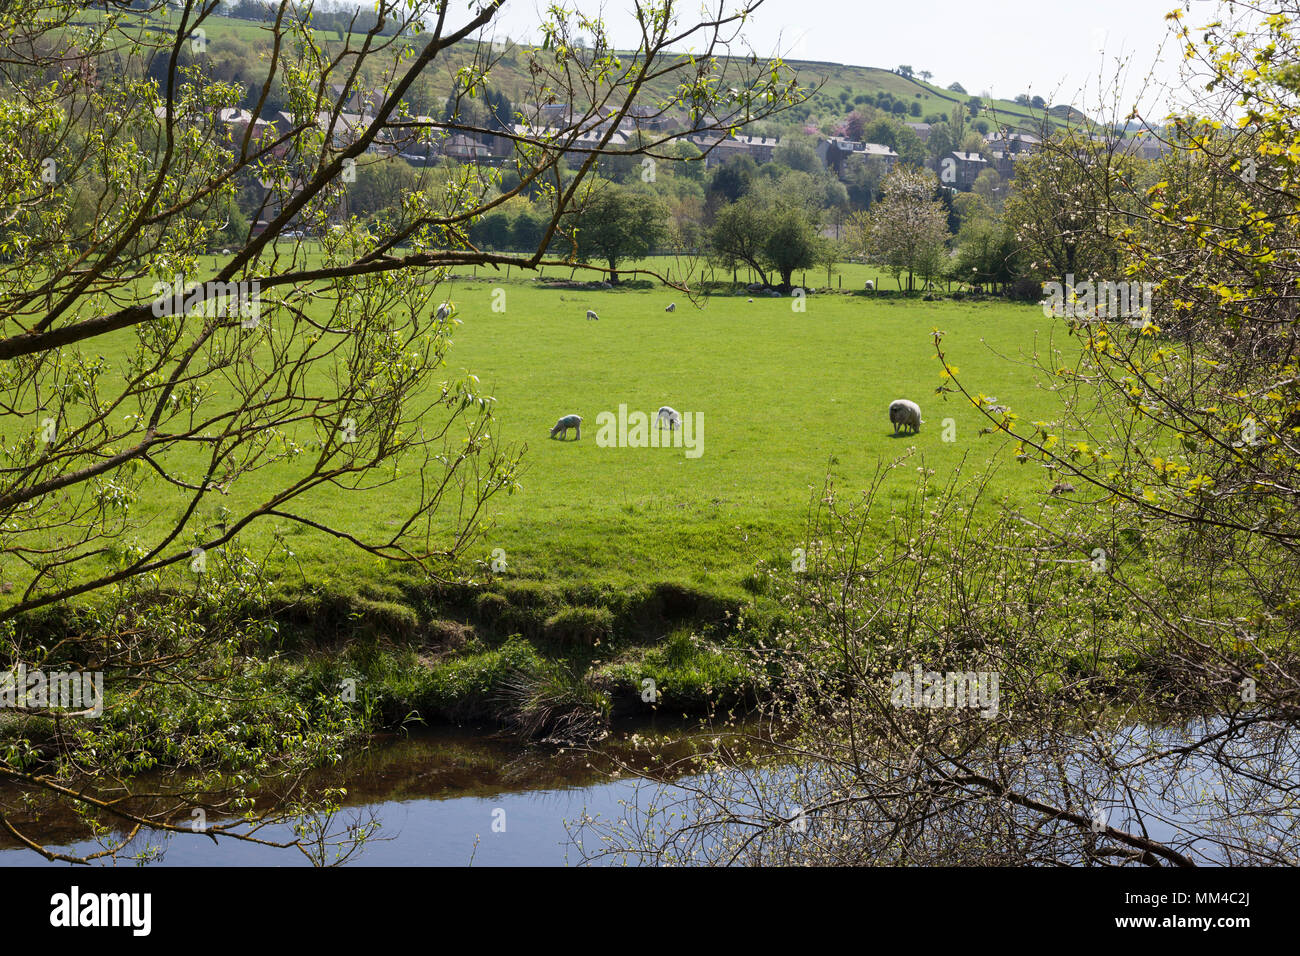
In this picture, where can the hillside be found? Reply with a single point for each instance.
(835, 89)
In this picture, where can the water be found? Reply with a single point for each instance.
(455, 797)
(443, 798)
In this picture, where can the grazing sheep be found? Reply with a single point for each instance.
(592, 315)
(564, 424)
(671, 416)
(905, 414)
(751, 300)
(870, 286)
(672, 307)
(1061, 488)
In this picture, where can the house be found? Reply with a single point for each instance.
(1004, 162)
(576, 145)
(834, 150)
(465, 149)
(959, 170)
(1008, 142)
(883, 153)
(357, 99)
(645, 118)
(1143, 145)
(721, 148)
(922, 130)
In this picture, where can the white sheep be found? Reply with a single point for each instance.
(592, 315)
(905, 414)
(671, 416)
(564, 424)
(672, 307)
(870, 286)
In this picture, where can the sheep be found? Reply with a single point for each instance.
(870, 286)
(564, 424)
(592, 315)
(672, 307)
(1061, 488)
(671, 416)
(905, 414)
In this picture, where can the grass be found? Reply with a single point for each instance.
(627, 563)
(785, 397)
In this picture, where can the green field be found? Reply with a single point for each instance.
(786, 398)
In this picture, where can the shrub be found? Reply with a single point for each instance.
(581, 626)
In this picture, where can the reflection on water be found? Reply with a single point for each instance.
(456, 797)
(437, 796)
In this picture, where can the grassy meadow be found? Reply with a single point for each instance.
(786, 398)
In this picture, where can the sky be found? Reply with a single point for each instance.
(1053, 48)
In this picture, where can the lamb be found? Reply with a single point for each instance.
(905, 414)
(672, 307)
(564, 424)
(592, 315)
(870, 286)
(671, 416)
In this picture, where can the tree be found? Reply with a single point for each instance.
(1179, 425)
(911, 150)
(792, 242)
(907, 229)
(856, 124)
(957, 121)
(882, 131)
(732, 179)
(973, 142)
(957, 88)
(738, 236)
(986, 254)
(616, 223)
(1057, 212)
(773, 229)
(156, 411)
(381, 182)
(862, 176)
(797, 155)
(988, 184)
